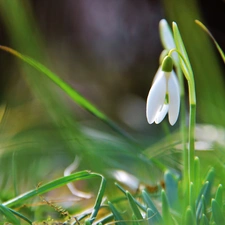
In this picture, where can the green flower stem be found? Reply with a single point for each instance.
(183, 127)
(192, 121)
(192, 141)
(192, 116)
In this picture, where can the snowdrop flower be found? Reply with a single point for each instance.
(164, 95)
(167, 39)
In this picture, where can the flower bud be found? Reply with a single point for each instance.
(167, 64)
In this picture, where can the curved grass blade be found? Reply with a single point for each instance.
(217, 213)
(98, 199)
(21, 216)
(211, 36)
(50, 186)
(118, 217)
(9, 215)
(73, 94)
(133, 206)
(151, 205)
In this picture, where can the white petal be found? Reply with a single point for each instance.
(158, 74)
(162, 113)
(166, 35)
(167, 38)
(174, 98)
(156, 97)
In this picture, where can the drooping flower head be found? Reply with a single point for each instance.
(164, 95)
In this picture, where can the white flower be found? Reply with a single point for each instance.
(167, 39)
(163, 98)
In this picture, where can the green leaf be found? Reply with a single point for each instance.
(119, 219)
(171, 189)
(98, 200)
(214, 40)
(204, 220)
(184, 61)
(133, 206)
(205, 191)
(197, 181)
(217, 213)
(137, 202)
(167, 218)
(219, 196)
(152, 217)
(189, 217)
(20, 215)
(209, 177)
(73, 94)
(201, 206)
(135, 221)
(192, 196)
(9, 215)
(151, 205)
(105, 220)
(82, 175)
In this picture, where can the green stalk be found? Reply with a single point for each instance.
(183, 128)
(192, 120)
(188, 73)
(191, 142)
(188, 155)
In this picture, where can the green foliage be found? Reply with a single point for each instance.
(9, 215)
(166, 214)
(189, 217)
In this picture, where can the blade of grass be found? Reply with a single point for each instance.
(82, 175)
(9, 215)
(21, 216)
(105, 220)
(189, 217)
(211, 36)
(152, 218)
(217, 213)
(98, 199)
(74, 95)
(134, 206)
(219, 196)
(137, 202)
(148, 201)
(166, 209)
(119, 219)
(204, 220)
